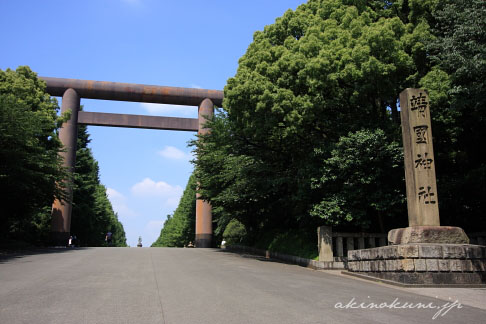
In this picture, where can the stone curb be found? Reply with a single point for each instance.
(410, 285)
(313, 264)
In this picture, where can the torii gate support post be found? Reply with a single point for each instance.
(68, 134)
(204, 220)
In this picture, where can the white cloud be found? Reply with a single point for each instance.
(169, 110)
(118, 201)
(149, 188)
(114, 195)
(196, 86)
(171, 152)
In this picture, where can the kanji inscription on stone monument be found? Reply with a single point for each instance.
(418, 152)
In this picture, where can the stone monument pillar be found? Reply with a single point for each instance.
(204, 220)
(324, 235)
(61, 210)
(422, 198)
(424, 253)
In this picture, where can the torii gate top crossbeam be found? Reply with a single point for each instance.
(133, 92)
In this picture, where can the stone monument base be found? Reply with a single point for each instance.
(428, 234)
(429, 264)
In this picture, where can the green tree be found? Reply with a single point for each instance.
(359, 181)
(458, 95)
(234, 232)
(30, 166)
(92, 215)
(179, 229)
(319, 78)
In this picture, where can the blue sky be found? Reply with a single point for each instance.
(183, 43)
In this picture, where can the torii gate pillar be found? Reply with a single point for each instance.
(61, 210)
(72, 90)
(204, 219)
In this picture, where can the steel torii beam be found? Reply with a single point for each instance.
(72, 90)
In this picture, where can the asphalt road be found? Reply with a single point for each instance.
(162, 285)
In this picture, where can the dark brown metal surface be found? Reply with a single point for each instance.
(204, 216)
(133, 92)
(68, 134)
(137, 121)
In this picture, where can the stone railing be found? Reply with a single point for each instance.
(477, 238)
(334, 246)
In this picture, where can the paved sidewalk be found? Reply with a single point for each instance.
(474, 297)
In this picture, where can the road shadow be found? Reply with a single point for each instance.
(10, 255)
(247, 255)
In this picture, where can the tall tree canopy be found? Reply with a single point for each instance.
(92, 215)
(179, 229)
(457, 87)
(30, 166)
(310, 130)
(31, 171)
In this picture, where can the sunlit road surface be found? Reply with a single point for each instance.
(163, 285)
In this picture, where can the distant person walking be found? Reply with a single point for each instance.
(108, 238)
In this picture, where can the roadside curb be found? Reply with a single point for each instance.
(303, 262)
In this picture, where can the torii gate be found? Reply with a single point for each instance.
(73, 90)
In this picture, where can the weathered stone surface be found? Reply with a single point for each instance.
(365, 266)
(374, 266)
(427, 251)
(381, 265)
(467, 266)
(421, 259)
(420, 265)
(324, 234)
(353, 266)
(474, 252)
(408, 251)
(365, 254)
(432, 265)
(432, 278)
(380, 252)
(354, 255)
(456, 265)
(407, 265)
(428, 234)
(453, 251)
(373, 254)
(389, 252)
(391, 265)
(478, 265)
(422, 202)
(444, 265)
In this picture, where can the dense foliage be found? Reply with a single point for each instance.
(31, 172)
(310, 130)
(234, 233)
(30, 165)
(179, 229)
(92, 215)
(457, 85)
